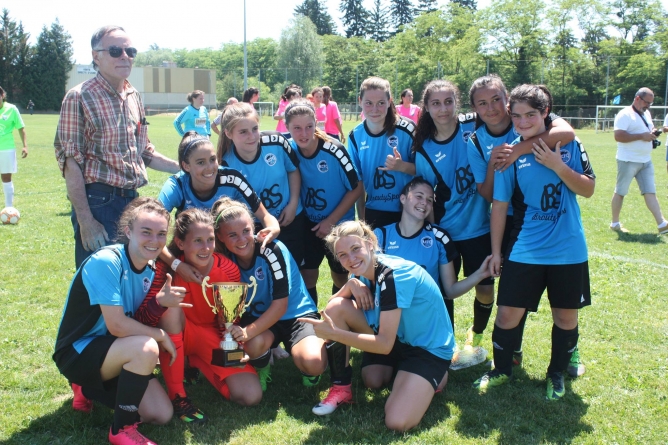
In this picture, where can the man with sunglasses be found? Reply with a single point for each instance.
(636, 136)
(102, 144)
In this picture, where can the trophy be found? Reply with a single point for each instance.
(229, 304)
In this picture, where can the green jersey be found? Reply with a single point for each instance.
(10, 120)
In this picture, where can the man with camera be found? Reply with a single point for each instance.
(636, 137)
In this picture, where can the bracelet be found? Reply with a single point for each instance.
(175, 264)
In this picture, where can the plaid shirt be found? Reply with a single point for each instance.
(106, 134)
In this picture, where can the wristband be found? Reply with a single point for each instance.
(175, 264)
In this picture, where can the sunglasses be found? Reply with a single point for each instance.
(117, 51)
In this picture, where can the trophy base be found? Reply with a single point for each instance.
(227, 358)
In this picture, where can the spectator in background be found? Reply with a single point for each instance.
(635, 136)
(10, 120)
(320, 109)
(31, 106)
(333, 116)
(194, 117)
(251, 95)
(216, 121)
(102, 144)
(406, 107)
(289, 94)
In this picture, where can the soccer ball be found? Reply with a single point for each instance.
(9, 215)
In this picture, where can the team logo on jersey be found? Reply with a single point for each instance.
(524, 163)
(383, 180)
(323, 167)
(364, 145)
(259, 273)
(393, 141)
(5, 117)
(551, 197)
(393, 245)
(147, 284)
(315, 199)
(463, 179)
(270, 159)
(466, 135)
(427, 242)
(565, 155)
(270, 197)
(440, 156)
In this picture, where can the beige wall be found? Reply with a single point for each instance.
(160, 87)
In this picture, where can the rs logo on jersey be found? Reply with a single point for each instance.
(551, 197)
(383, 179)
(393, 141)
(147, 284)
(427, 242)
(565, 155)
(270, 159)
(323, 167)
(259, 273)
(466, 135)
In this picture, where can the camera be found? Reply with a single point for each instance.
(657, 132)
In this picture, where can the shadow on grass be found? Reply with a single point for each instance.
(517, 412)
(644, 238)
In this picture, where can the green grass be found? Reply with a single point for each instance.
(621, 398)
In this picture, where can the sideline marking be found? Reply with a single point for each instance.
(607, 256)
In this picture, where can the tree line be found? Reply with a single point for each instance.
(38, 73)
(579, 48)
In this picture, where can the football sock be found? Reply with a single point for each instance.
(8, 188)
(313, 292)
(481, 314)
(173, 374)
(131, 389)
(520, 335)
(503, 341)
(261, 361)
(563, 344)
(340, 373)
(450, 306)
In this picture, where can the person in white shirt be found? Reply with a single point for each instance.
(635, 136)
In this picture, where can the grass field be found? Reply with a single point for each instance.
(623, 336)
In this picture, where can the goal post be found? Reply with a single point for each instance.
(605, 116)
(264, 108)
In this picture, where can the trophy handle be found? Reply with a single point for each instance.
(253, 285)
(205, 284)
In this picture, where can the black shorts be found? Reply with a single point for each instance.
(522, 285)
(290, 332)
(317, 250)
(84, 369)
(473, 252)
(292, 236)
(410, 359)
(506, 234)
(380, 218)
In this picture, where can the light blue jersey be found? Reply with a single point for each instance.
(268, 172)
(277, 276)
(327, 176)
(192, 119)
(429, 247)
(177, 192)
(369, 151)
(461, 210)
(480, 147)
(547, 228)
(424, 323)
(106, 278)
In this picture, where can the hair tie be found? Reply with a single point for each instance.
(299, 104)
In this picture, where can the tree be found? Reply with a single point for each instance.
(50, 68)
(426, 6)
(401, 13)
(300, 52)
(316, 11)
(354, 18)
(471, 4)
(15, 55)
(379, 24)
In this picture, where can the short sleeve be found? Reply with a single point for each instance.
(504, 184)
(171, 195)
(101, 276)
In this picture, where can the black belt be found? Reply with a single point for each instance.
(125, 193)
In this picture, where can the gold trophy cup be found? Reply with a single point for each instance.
(229, 304)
